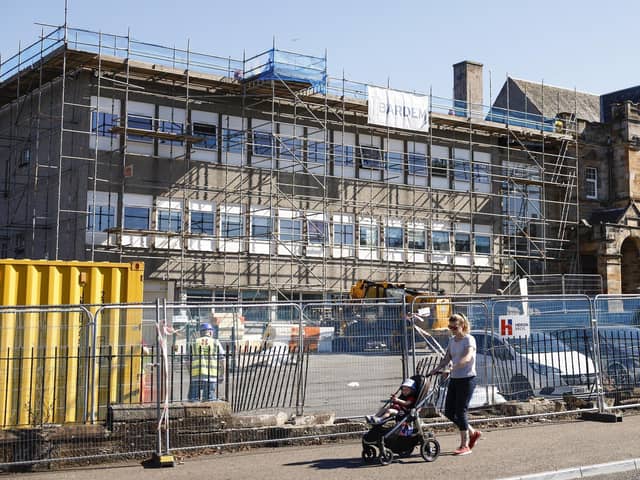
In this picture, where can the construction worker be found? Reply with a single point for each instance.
(206, 354)
(558, 125)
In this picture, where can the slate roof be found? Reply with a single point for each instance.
(534, 97)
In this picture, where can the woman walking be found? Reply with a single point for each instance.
(461, 356)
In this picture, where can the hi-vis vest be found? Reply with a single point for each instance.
(204, 357)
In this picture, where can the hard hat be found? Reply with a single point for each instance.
(409, 383)
(205, 326)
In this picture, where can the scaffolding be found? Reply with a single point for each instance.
(261, 176)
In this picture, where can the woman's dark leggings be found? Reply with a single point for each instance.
(458, 398)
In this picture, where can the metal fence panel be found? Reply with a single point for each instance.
(45, 359)
(618, 347)
(357, 355)
(550, 359)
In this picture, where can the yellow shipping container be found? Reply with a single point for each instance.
(49, 367)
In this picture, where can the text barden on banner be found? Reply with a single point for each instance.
(393, 108)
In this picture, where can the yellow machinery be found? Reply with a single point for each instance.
(435, 311)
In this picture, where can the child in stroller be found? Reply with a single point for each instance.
(384, 440)
(399, 404)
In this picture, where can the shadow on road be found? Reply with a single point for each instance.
(337, 463)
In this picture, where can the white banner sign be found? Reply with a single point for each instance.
(514, 326)
(392, 108)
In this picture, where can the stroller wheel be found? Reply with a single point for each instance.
(430, 449)
(386, 456)
(368, 454)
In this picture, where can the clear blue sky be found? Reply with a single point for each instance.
(588, 45)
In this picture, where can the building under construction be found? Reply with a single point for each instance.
(264, 178)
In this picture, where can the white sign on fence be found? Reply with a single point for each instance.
(514, 326)
(392, 108)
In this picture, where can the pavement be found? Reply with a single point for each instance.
(542, 450)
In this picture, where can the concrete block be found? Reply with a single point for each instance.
(257, 421)
(321, 418)
(206, 409)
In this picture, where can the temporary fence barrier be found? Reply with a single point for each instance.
(617, 345)
(528, 355)
(339, 357)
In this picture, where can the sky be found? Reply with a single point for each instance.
(588, 45)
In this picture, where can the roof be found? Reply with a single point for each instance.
(611, 215)
(631, 94)
(547, 100)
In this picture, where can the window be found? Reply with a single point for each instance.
(136, 218)
(439, 167)
(231, 225)
(394, 237)
(342, 234)
(261, 227)
(343, 154)
(291, 148)
(591, 183)
(173, 128)
(232, 140)
(395, 161)
(140, 122)
(370, 157)
(416, 239)
(316, 151)
(103, 122)
(202, 223)
(368, 236)
(105, 218)
(208, 134)
(483, 244)
(318, 231)
(169, 220)
(262, 144)
(481, 173)
(461, 170)
(290, 230)
(440, 241)
(417, 164)
(462, 242)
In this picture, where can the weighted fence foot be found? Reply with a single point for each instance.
(159, 460)
(602, 417)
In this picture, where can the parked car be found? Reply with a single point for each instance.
(619, 349)
(537, 365)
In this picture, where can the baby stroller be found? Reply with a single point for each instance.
(384, 440)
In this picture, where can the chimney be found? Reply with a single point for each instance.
(467, 89)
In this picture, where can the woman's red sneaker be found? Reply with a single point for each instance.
(462, 451)
(473, 438)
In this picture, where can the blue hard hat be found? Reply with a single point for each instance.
(205, 326)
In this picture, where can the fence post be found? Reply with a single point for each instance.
(405, 340)
(299, 405)
(89, 390)
(161, 457)
(596, 357)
